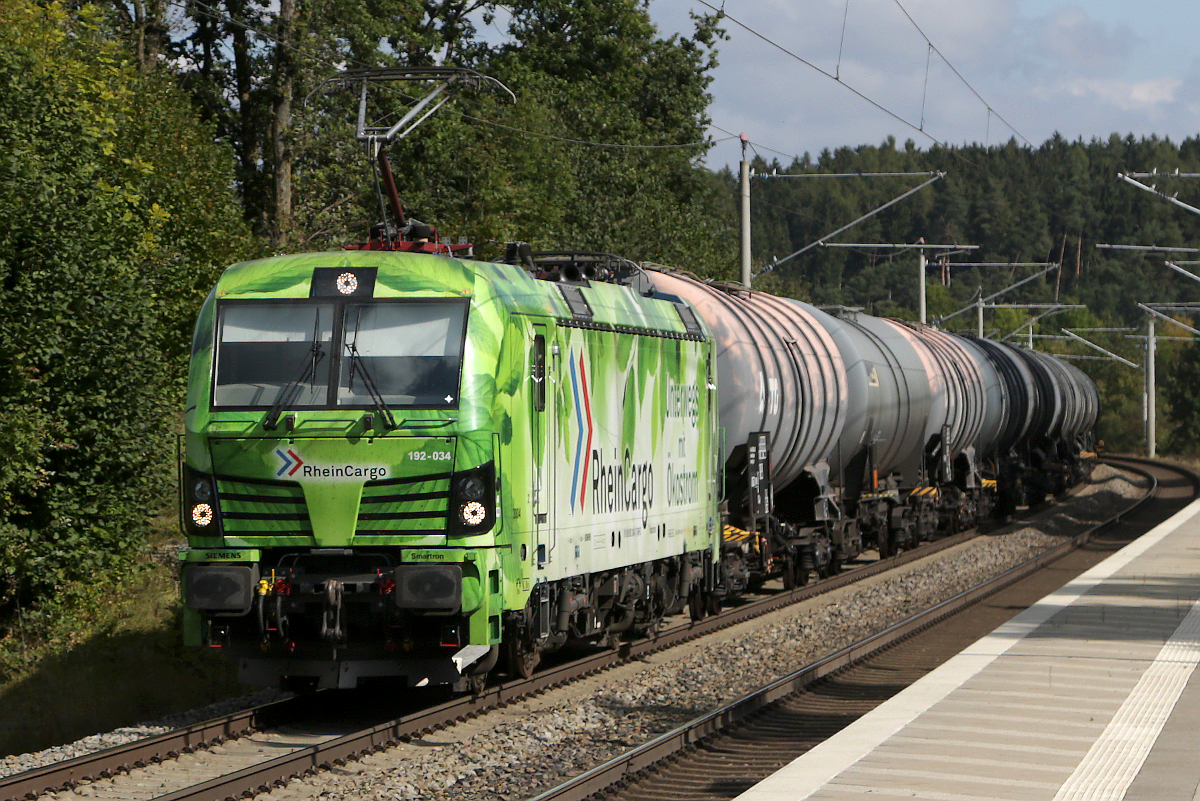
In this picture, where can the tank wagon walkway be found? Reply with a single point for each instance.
(1090, 694)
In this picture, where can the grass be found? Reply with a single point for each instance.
(102, 657)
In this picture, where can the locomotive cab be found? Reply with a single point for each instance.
(338, 485)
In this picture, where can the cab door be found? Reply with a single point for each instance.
(542, 414)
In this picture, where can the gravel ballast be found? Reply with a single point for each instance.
(531, 746)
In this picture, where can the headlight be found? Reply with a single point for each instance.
(198, 505)
(473, 500)
(472, 513)
(202, 514)
(472, 488)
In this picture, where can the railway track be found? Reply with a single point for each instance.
(261, 748)
(724, 753)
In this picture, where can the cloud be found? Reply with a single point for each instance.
(1145, 96)
(1081, 69)
(1073, 42)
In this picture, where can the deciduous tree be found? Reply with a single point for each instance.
(116, 205)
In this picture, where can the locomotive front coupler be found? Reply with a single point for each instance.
(331, 613)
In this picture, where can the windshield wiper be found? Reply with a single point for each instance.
(357, 363)
(288, 394)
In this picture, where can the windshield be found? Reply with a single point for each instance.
(262, 348)
(412, 352)
(400, 353)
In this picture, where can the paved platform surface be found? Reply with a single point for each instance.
(1090, 694)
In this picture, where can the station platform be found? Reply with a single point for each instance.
(1090, 694)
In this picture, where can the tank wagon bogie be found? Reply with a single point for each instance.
(401, 464)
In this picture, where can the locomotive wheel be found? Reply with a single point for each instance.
(697, 606)
(714, 604)
(522, 658)
(476, 683)
(789, 574)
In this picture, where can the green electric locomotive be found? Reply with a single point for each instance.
(405, 464)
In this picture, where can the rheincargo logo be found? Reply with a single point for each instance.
(291, 462)
(578, 382)
(295, 467)
(623, 486)
(373, 473)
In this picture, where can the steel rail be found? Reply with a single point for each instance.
(139, 753)
(307, 760)
(625, 767)
(336, 752)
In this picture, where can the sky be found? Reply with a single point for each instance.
(1025, 69)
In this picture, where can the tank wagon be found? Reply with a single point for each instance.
(407, 464)
(878, 433)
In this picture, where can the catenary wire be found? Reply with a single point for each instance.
(837, 72)
(952, 151)
(953, 69)
(209, 11)
(732, 135)
(830, 76)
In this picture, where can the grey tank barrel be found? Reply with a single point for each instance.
(841, 392)
(778, 369)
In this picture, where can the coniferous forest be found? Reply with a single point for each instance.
(144, 146)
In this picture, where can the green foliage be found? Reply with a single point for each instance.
(78, 662)
(115, 204)
(251, 71)
(1052, 203)
(1179, 390)
(1120, 427)
(597, 73)
(584, 72)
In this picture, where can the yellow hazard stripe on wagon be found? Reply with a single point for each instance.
(735, 534)
(925, 491)
(989, 483)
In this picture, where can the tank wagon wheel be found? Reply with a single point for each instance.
(887, 544)
(801, 572)
(794, 573)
